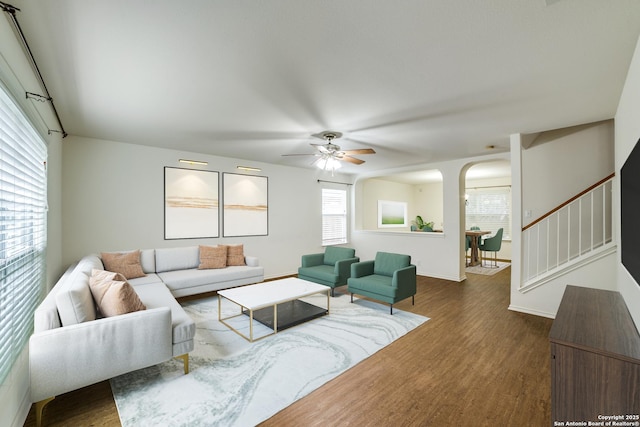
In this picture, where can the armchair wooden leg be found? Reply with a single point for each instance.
(413, 300)
(391, 309)
(351, 296)
(333, 292)
(40, 408)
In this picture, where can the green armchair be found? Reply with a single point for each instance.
(389, 278)
(331, 268)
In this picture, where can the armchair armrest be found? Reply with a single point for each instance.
(71, 357)
(405, 279)
(311, 260)
(343, 268)
(363, 268)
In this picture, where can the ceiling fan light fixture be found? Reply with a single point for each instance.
(328, 163)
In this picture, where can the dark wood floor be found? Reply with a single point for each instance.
(475, 363)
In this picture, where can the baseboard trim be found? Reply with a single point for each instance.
(23, 412)
(533, 312)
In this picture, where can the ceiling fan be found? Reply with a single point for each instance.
(330, 155)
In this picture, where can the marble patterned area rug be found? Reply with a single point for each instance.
(236, 383)
(489, 271)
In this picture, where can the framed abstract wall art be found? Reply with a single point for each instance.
(190, 204)
(245, 209)
(392, 214)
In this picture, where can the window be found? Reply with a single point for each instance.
(490, 209)
(334, 217)
(22, 229)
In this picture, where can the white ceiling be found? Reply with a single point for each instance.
(419, 81)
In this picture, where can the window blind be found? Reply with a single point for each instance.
(490, 209)
(23, 215)
(334, 216)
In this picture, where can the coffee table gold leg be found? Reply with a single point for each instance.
(251, 325)
(275, 318)
(219, 308)
(328, 299)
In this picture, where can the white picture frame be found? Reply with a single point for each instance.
(190, 204)
(392, 214)
(245, 210)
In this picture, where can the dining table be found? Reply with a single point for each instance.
(475, 251)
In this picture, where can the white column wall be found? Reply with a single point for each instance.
(627, 131)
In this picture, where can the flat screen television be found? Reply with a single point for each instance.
(630, 213)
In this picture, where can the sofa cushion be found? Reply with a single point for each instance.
(235, 255)
(149, 278)
(213, 257)
(376, 283)
(386, 263)
(333, 254)
(113, 294)
(148, 260)
(74, 301)
(169, 259)
(190, 278)
(156, 295)
(125, 263)
(326, 273)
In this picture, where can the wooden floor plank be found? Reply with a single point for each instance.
(474, 363)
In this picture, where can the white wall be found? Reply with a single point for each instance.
(429, 203)
(627, 133)
(373, 190)
(545, 300)
(561, 163)
(425, 200)
(113, 200)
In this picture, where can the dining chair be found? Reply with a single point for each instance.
(492, 244)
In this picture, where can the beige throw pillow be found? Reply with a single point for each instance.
(113, 294)
(235, 255)
(125, 263)
(212, 257)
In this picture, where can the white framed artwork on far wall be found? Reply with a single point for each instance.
(245, 210)
(190, 204)
(392, 214)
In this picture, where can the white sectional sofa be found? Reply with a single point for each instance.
(73, 347)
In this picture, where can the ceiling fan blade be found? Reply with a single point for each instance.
(360, 151)
(321, 147)
(352, 160)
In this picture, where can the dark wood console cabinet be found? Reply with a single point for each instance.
(595, 358)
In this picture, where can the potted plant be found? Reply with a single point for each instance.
(420, 224)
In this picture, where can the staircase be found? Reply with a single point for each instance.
(571, 235)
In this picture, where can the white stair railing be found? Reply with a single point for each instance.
(579, 229)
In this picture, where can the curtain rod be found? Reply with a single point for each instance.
(11, 10)
(334, 182)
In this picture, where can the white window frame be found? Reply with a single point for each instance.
(489, 208)
(23, 229)
(335, 216)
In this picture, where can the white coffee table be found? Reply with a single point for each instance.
(257, 300)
